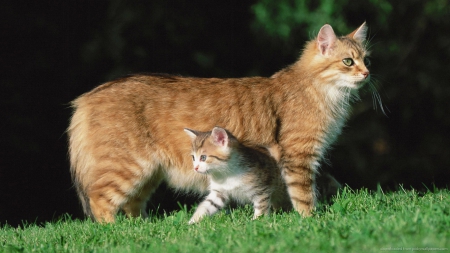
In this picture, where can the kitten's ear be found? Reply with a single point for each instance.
(193, 134)
(220, 137)
(326, 39)
(360, 33)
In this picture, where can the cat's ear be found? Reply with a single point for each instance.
(220, 136)
(326, 39)
(360, 33)
(193, 134)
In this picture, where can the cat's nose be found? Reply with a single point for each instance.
(196, 168)
(365, 74)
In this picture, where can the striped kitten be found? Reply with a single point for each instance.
(125, 138)
(235, 171)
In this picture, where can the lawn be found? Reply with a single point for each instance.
(357, 221)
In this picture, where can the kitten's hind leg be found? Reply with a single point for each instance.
(213, 203)
(262, 206)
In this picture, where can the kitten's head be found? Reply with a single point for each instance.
(341, 60)
(210, 150)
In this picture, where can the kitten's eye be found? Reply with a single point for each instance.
(203, 158)
(348, 61)
(193, 158)
(367, 62)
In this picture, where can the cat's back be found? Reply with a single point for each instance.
(164, 104)
(158, 85)
(135, 87)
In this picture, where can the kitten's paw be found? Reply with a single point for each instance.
(194, 220)
(255, 217)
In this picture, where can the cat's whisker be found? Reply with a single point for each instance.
(374, 102)
(368, 42)
(376, 98)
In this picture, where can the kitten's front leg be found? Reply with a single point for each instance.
(261, 206)
(213, 203)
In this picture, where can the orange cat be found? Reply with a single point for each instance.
(126, 135)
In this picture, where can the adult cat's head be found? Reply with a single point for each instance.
(340, 61)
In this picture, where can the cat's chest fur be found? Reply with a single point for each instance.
(334, 115)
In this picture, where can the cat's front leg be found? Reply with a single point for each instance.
(299, 176)
(211, 205)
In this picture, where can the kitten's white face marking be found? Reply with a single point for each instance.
(200, 164)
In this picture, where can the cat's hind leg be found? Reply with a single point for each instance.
(137, 204)
(120, 183)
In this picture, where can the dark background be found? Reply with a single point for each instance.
(53, 51)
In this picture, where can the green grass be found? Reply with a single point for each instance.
(358, 221)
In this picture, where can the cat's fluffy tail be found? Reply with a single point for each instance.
(79, 161)
(83, 199)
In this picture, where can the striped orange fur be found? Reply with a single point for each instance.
(126, 136)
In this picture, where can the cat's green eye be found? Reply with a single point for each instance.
(348, 61)
(367, 62)
(193, 158)
(203, 158)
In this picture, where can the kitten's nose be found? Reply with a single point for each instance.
(365, 74)
(196, 168)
